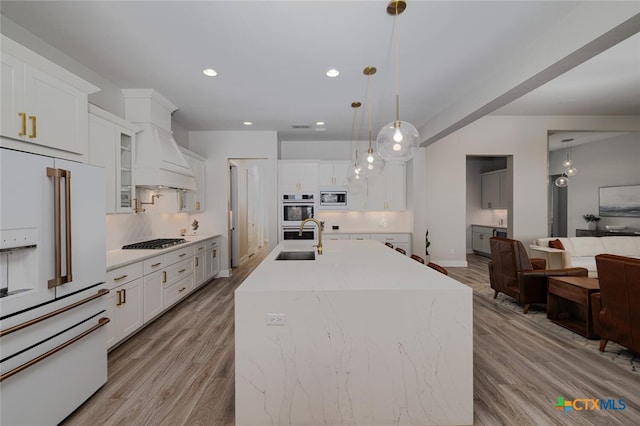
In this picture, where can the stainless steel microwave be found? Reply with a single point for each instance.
(334, 198)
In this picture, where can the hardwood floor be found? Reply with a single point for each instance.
(180, 369)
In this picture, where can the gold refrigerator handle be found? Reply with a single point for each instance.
(23, 120)
(57, 174)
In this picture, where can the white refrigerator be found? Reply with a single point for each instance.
(53, 353)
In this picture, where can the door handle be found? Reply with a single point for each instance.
(58, 174)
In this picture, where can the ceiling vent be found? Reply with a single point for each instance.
(300, 126)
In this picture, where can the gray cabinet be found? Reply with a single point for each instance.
(495, 193)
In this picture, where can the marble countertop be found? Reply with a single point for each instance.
(346, 265)
(118, 258)
(329, 231)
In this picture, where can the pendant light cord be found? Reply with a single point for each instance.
(368, 100)
(397, 69)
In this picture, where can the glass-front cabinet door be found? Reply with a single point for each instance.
(126, 183)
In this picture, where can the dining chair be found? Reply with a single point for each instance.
(417, 258)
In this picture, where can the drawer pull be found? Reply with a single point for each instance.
(164, 276)
(156, 264)
(182, 255)
(101, 322)
(196, 261)
(26, 324)
(182, 270)
(119, 293)
(182, 289)
(121, 277)
(124, 295)
(200, 248)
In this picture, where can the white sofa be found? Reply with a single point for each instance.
(581, 251)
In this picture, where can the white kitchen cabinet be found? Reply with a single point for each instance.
(124, 302)
(494, 190)
(334, 237)
(153, 296)
(199, 264)
(387, 191)
(44, 107)
(360, 236)
(194, 200)
(112, 146)
(297, 177)
(212, 260)
(332, 173)
(177, 281)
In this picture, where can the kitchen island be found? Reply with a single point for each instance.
(360, 335)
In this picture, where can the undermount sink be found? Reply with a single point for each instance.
(296, 255)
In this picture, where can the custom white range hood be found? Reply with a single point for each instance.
(159, 162)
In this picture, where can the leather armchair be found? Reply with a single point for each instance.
(616, 309)
(512, 272)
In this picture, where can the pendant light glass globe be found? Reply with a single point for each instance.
(571, 171)
(397, 141)
(355, 174)
(567, 163)
(374, 167)
(562, 181)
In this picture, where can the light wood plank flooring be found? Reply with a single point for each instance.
(180, 369)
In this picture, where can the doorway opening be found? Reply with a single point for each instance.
(247, 208)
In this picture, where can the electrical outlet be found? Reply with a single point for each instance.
(275, 319)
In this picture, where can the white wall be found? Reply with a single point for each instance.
(218, 148)
(443, 191)
(611, 162)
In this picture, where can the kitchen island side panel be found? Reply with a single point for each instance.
(375, 357)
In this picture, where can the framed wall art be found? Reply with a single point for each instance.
(620, 201)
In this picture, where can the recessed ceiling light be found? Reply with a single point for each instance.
(319, 123)
(247, 123)
(333, 73)
(210, 72)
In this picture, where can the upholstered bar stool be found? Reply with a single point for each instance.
(398, 249)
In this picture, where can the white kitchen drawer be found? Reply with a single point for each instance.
(391, 238)
(199, 248)
(360, 237)
(153, 264)
(212, 243)
(117, 277)
(177, 291)
(178, 255)
(178, 271)
(335, 236)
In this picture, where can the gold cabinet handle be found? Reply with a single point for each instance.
(122, 277)
(214, 253)
(124, 295)
(182, 270)
(200, 248)
(119, 292)
(156, 264)
(164, 276)
(197, 205)
(182, 255)
(182, 289)
(23, 127)
(33, 126)
(196, 261)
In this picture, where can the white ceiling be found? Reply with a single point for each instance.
(271, 57)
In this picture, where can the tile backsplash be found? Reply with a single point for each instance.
(158, 221)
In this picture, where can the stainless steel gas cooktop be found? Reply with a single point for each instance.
(158, 243)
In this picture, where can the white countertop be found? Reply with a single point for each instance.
(490, 226)
(328, 231)
(117, 258)
(345, 265)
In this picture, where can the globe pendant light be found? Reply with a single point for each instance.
(355, 177)
(374, 164)
(569, 170)
(397, 140)
(562, 181)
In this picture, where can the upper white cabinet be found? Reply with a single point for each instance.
(44, 107)
(494, 190)
(194, 200)
(332, 173)
(112, 146)
(387, 190)
(297, 177)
